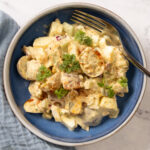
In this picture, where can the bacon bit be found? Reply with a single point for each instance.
(101, 63)
(101, 76)
(57, 104)
(81, 63)
(84, 104)
(98, 54)
(49, 105)
(58, 38)
(108, 66)
(44, 95)
(30, 100)
(79, 51)
(38, 102)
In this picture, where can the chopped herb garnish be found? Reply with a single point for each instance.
(79, 35)
(43, 73)
(110, 92)
(87, 41)
(82, 38)
(108, 87)
(101, 84)
(69, 64)
(124, 82)
(61, 92)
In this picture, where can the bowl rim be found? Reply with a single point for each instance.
(9, 53)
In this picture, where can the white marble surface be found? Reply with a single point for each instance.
(136, 135)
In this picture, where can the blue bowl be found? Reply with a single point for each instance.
(17, 88)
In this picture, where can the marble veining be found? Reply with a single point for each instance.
(143, 114)
(136, 134)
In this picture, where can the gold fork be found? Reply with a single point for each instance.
(101, 25)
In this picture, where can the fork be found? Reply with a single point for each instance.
(100, 25)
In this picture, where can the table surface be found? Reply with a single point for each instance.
(136, 134)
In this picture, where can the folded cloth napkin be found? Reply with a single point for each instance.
(14, 136)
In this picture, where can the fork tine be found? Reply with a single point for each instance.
(101, 21)
(89, 20)
(79, 20)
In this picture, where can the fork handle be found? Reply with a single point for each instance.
(136, 63)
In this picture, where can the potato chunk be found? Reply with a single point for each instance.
(22, 66)
(109, 106)
(56, 28)
(90, 117)
(52, 83)
(76, 106)
(35, 90)
(42, 42)
(32, 69)
(56, 113)
(119, 89)
(68, 28)
(69, 122)
(37, 53)
(71, 81)
(34, 105)
(28, 68)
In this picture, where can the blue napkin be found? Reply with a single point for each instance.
(13, 135)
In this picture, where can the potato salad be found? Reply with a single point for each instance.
(75, 74)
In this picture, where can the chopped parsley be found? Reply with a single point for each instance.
(43, 73)
(87, 41)
(108, 87)
(79, 35)
(82, 38)
(123, 81)
(109, 90)
(61, 92)
(69, 64)
(101, 84)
